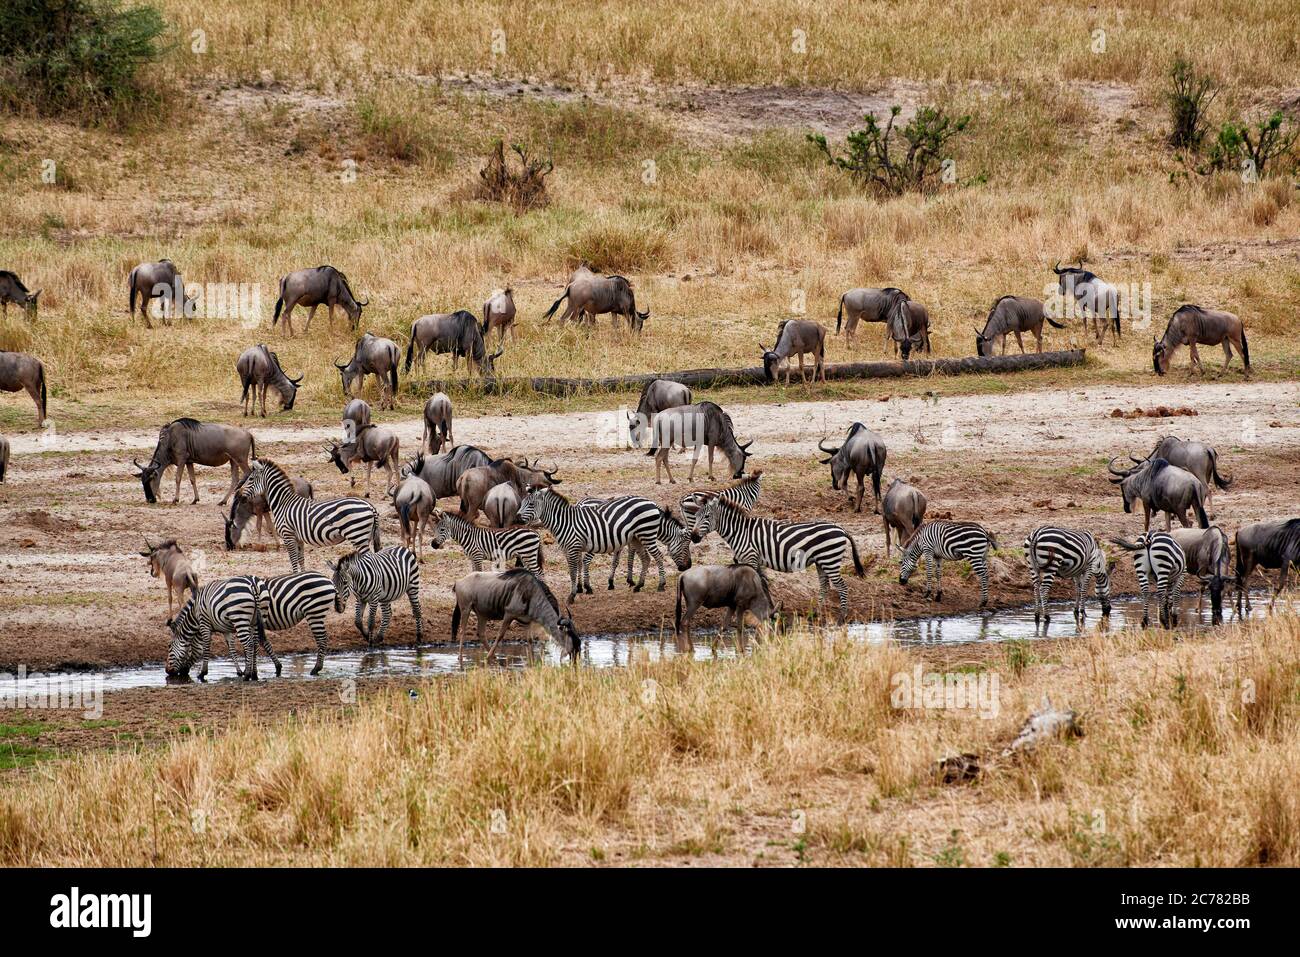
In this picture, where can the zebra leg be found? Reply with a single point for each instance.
(837, 580)
(575, 574)
(613, 567)
(361, 605)
(205, 642)
(318, 633)
(234, 655)
(982, 570)
(248, 640)
(265, 642)
(587, 558)
(370, 623)
(652, 549)
(294, 548)
(385, 618)
(1146, 600)
(1080, 611)
(413, 593)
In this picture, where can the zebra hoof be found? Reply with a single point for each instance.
(636, 587)
(661, 587)
(277, 669)
(317, 670)
(610, 586)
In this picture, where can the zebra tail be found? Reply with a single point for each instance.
(857, 562)
(993, 542)
(455, 621)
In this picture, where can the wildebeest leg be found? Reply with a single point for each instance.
(803, 376)
(311, 314)
(1021, 343)
(1196, 359)
(1227, 356)
(501, 636)
(862, 490)
(287, 319)
(370, 467)
(695, 457)
(235, 478)
(1281, 584)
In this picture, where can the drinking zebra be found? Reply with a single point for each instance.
(583, 532)
(286, 600)
(671, 532)
(227, 606)
(783, 546)
(302, 521)
(948, 540)
(1052, 553)
(490, 545)
(743, 493)
(1158, 560)
(376, 579)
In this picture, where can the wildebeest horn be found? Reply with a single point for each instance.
(363, 302)
(1057, 268)
(340, 365)
(745, 446)
(1136, 460)
(497, 355)
(1114, 471)
(297, 381)
(822, 446)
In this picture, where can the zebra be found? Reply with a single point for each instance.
(227, 606)
(952, 540)
(376, 578)
(1053, 552)
(743, 493)
(583, 531)
(302, 521)
(783, 546)
(286, 600)
(494, 545)
(1157, 559)
(671, 532)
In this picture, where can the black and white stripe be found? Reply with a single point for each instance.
(671, 532)
(495, 546)
(286, 600)
(377, 579)
(301, 521)
(583, 531)
(938, 541)
(229, 607)
(783, 546)
(1052, 552)
(1158, 561)
(744, 493)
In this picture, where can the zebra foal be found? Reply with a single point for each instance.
(494, 546)
(937, 541)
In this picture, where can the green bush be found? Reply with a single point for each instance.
(77, 56)
(897, 168)
(1190, 95)
(1259, 148)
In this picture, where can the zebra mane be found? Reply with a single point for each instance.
(668, 514)
(273, 469)
(13, 277)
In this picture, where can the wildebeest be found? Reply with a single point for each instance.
(443, 472)
(1208, 558)
(499, 314)
(259, 368)
(185, 443)
(161, 281)
(737, 588)
(13, 290)
(656, 395)
(1013, 315)
(1266, 545)
(908, 327)
(323, 285)
(4, 457)
(373, 356)
(866, 305)
(501, 506)
(862, 453)
(437, 423)
(902, 509)
(1196, 457)
(1092, 296)
(1161, 487)
(474, 484)
(1195, 325)
(796, 337)
(699, 426)
(356, 415)
(413, 500)
(591, 295)
(457, 333)
(247, 507)
(18, 370)
(372, 446)
(167, 560)
(507, 597)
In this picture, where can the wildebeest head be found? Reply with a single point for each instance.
(1127, 480)
(839, 464)
(738, 461)
(337, 455)
(489, 361)
(1160, 357)
(348, 373)
(240, 512)
(150, 477)
(1214, 583)
(771, 363)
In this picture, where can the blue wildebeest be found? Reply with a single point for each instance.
(13, 290)
(908, 327)
(1013, 315)
(795, 337)
(18, 370)
(740, 589)
(1091, 296)
(443, 472)
(1196, 457)
(371, 446)
(259, 368)
(321, 286)
(475, 483)
(507, 597)
(437, 423)
(501, 506)
(499, 314)
(356, 415)
(1161, 487)
(457, 333)
(167, 560)
(185, 443)
(656, 396)
(591, 295)
(413, 500)
(161, 281)
(1195, 325)
(862, 453)
(373, 356)
(699, 426)
(866, 305)
(1208, 558)
(902, 509)
(1266, 545)
(4, 457)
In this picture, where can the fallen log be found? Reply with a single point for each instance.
(716, 378)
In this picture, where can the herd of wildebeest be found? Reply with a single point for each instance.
(504, 503)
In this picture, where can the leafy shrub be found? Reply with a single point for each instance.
(1190, 95)
(1258, 148)
(875, 161)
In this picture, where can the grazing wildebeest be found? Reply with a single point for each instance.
(866, 305)
(1196, 457)
(162, 281)
(507, 597)
(1208, 558)
(737, 588)
(372, 445)
(443, 472)
(437, 423)
(1195, 325)
(1266, 545)
(499, 314)
(13, 290)
(323, 285)
(373, 356)
(474, 484)
(795, 337)
(413, 500)
(1013, 315)
(259, 368)
(1161, 487)
(862, 453)
(1091, 296)
(591, 295)
(356, 415)
(699, 426)
(167, 560)
(908, 327)
(246, 507)
(18, 370)
(4, 457)
(657, 395)
(185, 443)
(502, 505)
(902, 509)
(457, 333)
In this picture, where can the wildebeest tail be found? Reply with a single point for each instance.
(1218, 479)
(1199, 505)
(131, 300)
(404, 513)
(1245, 348)
(410, 350)
(556, 305)
(1052, 322)
(44, 397)
(455, 620)
(392, 376)
(839, 316)
(857, 562)
(677, 617)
